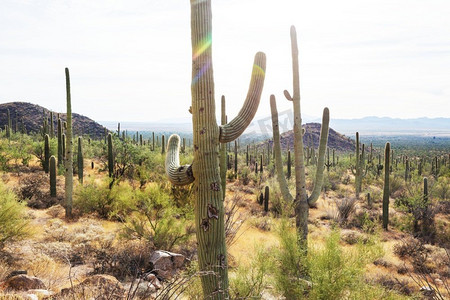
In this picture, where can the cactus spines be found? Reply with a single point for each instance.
(178, 175)
(69, 147)
(302, 201)
(46, 152)
(80, 159)
(110, 156)
(386, 192)
(207, 135)
(266, 199)
(52, 176)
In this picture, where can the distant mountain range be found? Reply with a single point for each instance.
(369, 126)
(32, 117)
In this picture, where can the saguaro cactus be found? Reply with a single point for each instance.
(60, 142)
(266, 199)
(80, 159)
(110, 157)
(69, 154)
(358, 169)
(46, 152)
(52, 176)
(386, 191)
(302, 200)
(163, 146)
(209, 210)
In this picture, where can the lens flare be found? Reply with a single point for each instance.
(202, 47)
(257, 70)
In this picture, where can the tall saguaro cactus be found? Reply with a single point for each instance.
(223, 149)
(52, 176)
(386, 191)
(69, 154)
(209, 209)
(358, 170)
(302, 201)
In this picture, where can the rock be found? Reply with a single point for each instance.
(40, 292)
(427, 291)
(23, 283)
(16, 272)
(165, 263)
(99, 287)
(143, 289)
(153, 280)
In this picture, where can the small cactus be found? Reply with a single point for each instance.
(80, 159)
(266, 199)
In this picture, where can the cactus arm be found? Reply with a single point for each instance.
(277, 150)
(178, 175)
(321, 159)
(236, 127)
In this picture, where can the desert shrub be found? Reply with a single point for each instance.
(441, 189)
(421, 213)
(107, 203)
(249, 281)
(395, 186)
(290, 266)
(34, 189)
(345, 208)
(157, 220)
(233, 219)
(13, 219)
(336, 273)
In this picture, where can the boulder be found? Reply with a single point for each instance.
(165, 264)
(23, 283)
(99, 287)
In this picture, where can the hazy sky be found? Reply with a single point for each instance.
(131, 60)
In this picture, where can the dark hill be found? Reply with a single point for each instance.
(32, 116)
(336, 141)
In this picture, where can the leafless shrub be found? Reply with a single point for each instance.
(233, 219)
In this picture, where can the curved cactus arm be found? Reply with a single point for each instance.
(277, 150)
(236, 127)
(178, 175)
(318, 182)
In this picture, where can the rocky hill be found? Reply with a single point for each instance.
(32, 116)
(336, 141)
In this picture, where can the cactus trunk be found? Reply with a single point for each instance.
(80, 159)
(52, 176)
(69, 147)
(387, 151)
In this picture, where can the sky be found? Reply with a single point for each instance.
(131, 60)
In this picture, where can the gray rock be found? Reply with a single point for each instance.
(165, 263)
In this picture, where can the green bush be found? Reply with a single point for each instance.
(93, 197)
(157, 220)
(13, 220)
(249, 281)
